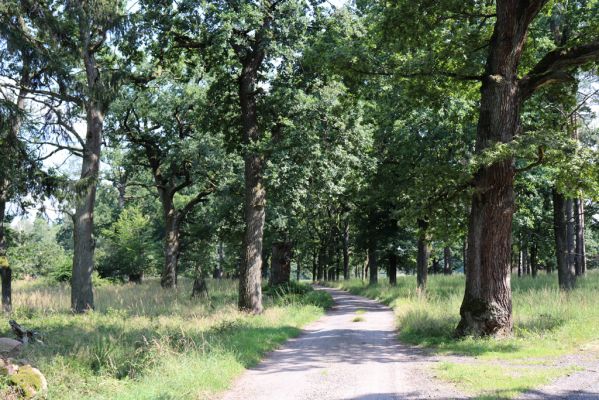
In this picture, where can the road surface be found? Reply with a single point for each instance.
(350, 353)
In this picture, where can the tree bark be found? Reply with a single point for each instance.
(172, 245)
(314, 265)
(5, 270)
(422, 256)
(372, 265)
(447, 268)
(487, 305)
(534, 262)
(320, 273)
(465, 254)
(250, 288)
(346, 251)
(525, 263)
(565, 272)
(82, 297)
(298, 270)
(392, 268)
(280, 263)
(200, 287)
(580, 257)
(136, 278)
(571, 235)
(218, 271)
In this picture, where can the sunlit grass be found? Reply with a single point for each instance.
(548, 323)
(143, 342)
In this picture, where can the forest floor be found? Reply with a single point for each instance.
(350, 353)
(554, 352)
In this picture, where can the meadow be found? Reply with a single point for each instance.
(143, 342)
(555, 333)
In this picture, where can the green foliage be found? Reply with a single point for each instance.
(129, 246)
(35, 251)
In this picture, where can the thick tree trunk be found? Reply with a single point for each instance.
(392, 268)
(82, 297)
(422, 256)
(487, 305)
(171, 246)
(280, 263)
(447, 268)
(346, 251)
(565, 271)
(581, 267)
(372, 265)
(250, 288)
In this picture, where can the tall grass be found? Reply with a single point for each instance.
(143, 342)
(548, 323)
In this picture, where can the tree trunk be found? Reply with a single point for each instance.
(218, 271)
(525, 263)
(571, 235)
(200, 287)
(5, 271)
(171, 246)
(265, 263)
(280, 263)
(487, 305)
(136, 278)
(520, 257)
(581, 267)
(565, 272)
(298, 271)
(314, 265)
(320, 268)
(447, 269)
(392, 268)
(465, 254)
(534, 262)
(250, 288)
(346, 251)
(372, 265)
(422, 256)
(82, 297)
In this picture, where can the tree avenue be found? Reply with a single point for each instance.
(264, 143)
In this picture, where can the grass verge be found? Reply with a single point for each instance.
(548, 324)
(143, 342)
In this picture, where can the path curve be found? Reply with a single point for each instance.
(339, 358)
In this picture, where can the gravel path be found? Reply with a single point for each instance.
(577, 385)
(339, 358)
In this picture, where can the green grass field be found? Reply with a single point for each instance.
(143, 342)
(549, 324)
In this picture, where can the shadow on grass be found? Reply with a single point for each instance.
(120, 351)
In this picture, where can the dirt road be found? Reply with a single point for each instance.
(350, 353)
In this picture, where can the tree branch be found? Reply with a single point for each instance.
(554, 66)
